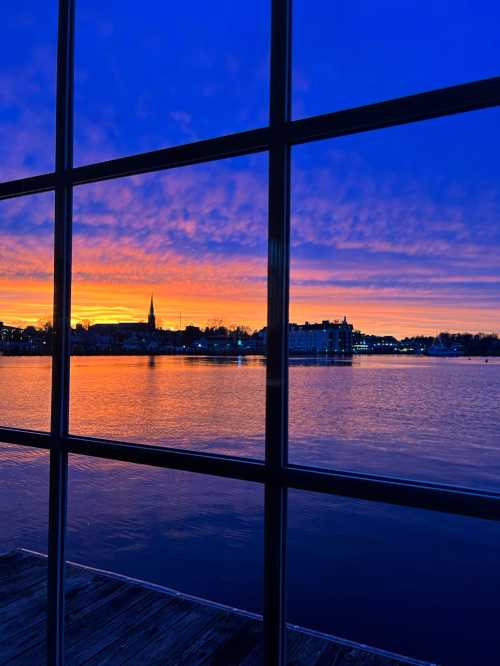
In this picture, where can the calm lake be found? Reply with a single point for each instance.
(415, 582)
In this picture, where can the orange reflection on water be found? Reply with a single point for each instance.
(25, 383)
(434, 419)
(202, 403)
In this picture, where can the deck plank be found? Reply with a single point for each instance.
(195, 640)
(99, 645)
(114, 620)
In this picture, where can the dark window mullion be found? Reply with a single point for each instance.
(439, 103)
(61, 332)
(277, 339)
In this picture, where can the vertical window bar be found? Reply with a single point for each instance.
(277, 339)
(62, 334)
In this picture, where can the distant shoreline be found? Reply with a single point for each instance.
(233, 354)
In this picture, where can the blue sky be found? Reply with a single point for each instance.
(353, 52)
(397, 229)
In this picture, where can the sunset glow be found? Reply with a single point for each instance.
(395, 229)
(397, 254)
(249, 332)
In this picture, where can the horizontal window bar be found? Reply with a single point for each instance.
(404, 110)
(400, 111)
(434, 497)
(213, 464)
(433, 104)
(413, 494)
(40, 440)
(402, 492)
(232, 145)
(31, 185)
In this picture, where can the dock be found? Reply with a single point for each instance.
(113, 619)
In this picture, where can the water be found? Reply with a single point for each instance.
(414, 582)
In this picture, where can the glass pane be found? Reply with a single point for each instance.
(168, 73)
(28, 44)
(175, 534)
(416, 583)
(24, 494)
(169, 301)
(347, 53)
(26, 274)
(398, 232)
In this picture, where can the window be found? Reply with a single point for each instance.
(26, 294)
(394, 577)
(28, 44)
(191, 244)
(124, 105)
(269, 146)
(397, 230)
(347, 53)
(191, 533)
(24, 495)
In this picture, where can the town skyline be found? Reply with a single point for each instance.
(401, 250)
(177, 320)
(155, 322)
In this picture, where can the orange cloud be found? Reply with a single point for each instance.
(393, 261)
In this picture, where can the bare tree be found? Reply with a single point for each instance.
(44, 323)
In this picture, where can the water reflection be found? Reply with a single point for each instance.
(243, 360)
(365, 571)
(417, 417)
(190, 532)
(195, 402)
(425, 582)
(323, 361)
(25, 383)
(426, 418)
(24, 495)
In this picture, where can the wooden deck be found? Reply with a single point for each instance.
(112, 619)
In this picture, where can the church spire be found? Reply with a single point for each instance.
(151, 316)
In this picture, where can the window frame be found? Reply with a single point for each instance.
(274, 473)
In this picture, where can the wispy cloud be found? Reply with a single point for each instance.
(394, 251)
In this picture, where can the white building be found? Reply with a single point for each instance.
(325, 338)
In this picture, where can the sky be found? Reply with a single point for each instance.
(396, 229)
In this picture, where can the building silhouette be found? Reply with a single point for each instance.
(151, 316)
(127, 327)
(323, 338)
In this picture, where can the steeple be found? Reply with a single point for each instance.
(151, 316)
